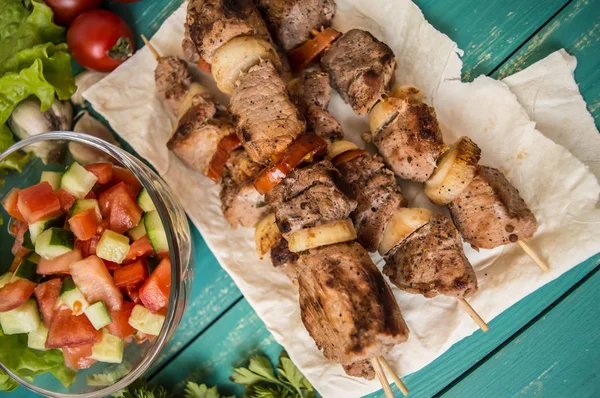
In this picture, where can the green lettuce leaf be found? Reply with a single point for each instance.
(6, 383)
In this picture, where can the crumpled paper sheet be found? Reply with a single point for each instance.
(555, 184)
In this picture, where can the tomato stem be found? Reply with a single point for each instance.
(122, 49)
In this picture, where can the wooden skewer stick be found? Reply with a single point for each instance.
(382, 379)
(151, 48)
(473, 314)
(534, 256)
(399, 383)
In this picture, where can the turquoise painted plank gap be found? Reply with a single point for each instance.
(545, 360)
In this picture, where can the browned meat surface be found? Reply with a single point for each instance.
(285, 260)
(300, 179)
(212, 23)
(240, 202)
(346, 306)
(319, 204)
(360, 369)
(412, 142)
(290, 21)
(490, 212)
(267, 120)
(431, 261)
(376, 193)
(172, 79)
(189, 48)
(312, 94)
(361, 69)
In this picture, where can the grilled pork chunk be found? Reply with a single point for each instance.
(361, 69)
(189, 48)
(285, 260)
(172, 79)
(431, 261)
(291, 21)
(299, 179)
(360, 369)
(212, 23)
(490, 212)
(411, 142)
(267, 120)
(240, 201)
(374, 188)
(312, 94)
(346, 306)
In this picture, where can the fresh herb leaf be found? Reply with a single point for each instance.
(111, 375)
(194, 390)
(288, 372)
(141, 389)
(259, 369)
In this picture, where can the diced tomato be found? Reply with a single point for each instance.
(120, 326)
(79, 357)
(13, 226)
(68, 330)
(102, 226)
(38, 202)
(119, 207)
(133, 292)
(110, 265)
(84, 224)
(15, 293)
(18, 258)
(46, 295)
(90, 195)
(102, 171)
(140, 248)
(154, 293)
(18, 243)
(123, 175)
(94, 281)
(141, 337)
(131, 275)
(10, 204)
(60, 264)
(66, 200)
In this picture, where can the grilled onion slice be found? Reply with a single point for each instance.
(386, 109)
(339, 147)
(237, 56)
(456, 168)
(403, 222)
(188, 100)
(266, 235)
(327, 234)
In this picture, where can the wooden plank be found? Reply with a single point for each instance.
(488, 31)
(577, 29)
(545, 359)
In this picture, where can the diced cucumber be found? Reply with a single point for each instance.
(156, 232)
(34, 258)
(72, 297)
(37, 228)
(144, 201)
(108, 349)
(23, 319)
(77, 180)
(27, 243)
(112, 246)
(54, 242)
(53, 178)
(138, 231)
(98, 315)
(5, 279)
(26, 270)
(37, 338)
(82, 205)
(145, 321)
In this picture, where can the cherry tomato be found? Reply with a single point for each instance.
(65, 11)
(100, 40)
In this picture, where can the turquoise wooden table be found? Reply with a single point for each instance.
(546, 345)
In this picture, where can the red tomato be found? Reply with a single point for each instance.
(65, 11)
(154, 293)
(19, 237)
(100, 40)
(88, 247)
(19, 256)
(66, 200)
(110, 265)
(46, 295)
(90, 195)
(131, 275)
(78, 357)
(68, 330)
(133, 292)
(102, 171)
(123, 175)
(95, 282)
(84, 224)
(120, 326)
(139, 248)
(10, 204)
(60, 264)
(15, 293)
(118, 206)
(38, 202)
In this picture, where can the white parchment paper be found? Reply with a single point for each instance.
(557, 186)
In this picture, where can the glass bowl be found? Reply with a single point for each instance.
(176, 226)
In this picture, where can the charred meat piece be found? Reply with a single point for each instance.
(431, 261)
(189, 48)
(361, 69)
(411, 142)
(312, 94)
(291, 21)
(267, 120)
(212, 23)
(172, 79)
(285, 260)
(377, 195)
(240, 202)
(346, 305)
(360, 369)
(490, 212)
